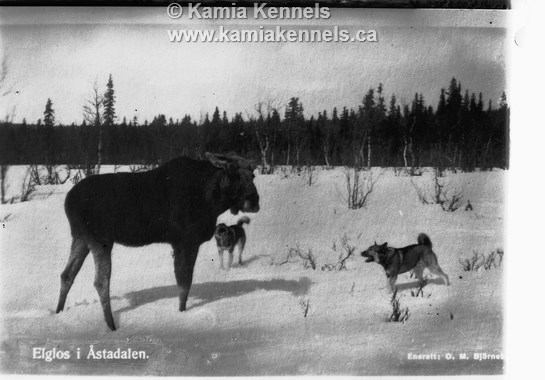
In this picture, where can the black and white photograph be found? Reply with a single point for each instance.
(253, 189)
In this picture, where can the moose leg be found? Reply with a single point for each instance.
(184, 261)
(78, 253)
(102, 253)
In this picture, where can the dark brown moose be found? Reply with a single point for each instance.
(176, 203)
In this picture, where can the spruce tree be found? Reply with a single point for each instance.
(503, 101)
(441, 107)
(480, 105)
(49, 114)
(109, 103)
(381, 106)
(216, 116)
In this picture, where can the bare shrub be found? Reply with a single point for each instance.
(3, 183)
(492, 260)
(52, 176)
(420, 290)
(294, 254)
(359, 185)
(414, 171)
(471, 264)
(351, 292)
(82, 171)
(6, 218)
(283, 171)
(305, 306)
(28, 186)
(288, 259)
(399, 314)
(34, 172)
(142, 168)
(309, 261)
(309, 175)
(77, 177)
(57, 178)
(49, 178)
(347, 251)
(443, 194)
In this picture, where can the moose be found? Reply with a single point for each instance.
(176, 203)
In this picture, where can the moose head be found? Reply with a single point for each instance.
(236, 184)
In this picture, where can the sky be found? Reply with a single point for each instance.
(59, 53)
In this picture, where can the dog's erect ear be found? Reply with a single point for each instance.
(384, 246)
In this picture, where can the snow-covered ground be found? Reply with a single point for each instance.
(249, 320)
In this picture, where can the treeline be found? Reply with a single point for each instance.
(460, 132)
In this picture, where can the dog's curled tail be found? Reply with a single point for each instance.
(424, 239)
(243, 220)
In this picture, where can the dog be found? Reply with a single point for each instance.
(227, 237)
(395, 261)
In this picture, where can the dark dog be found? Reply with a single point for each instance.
(227, 237)
(415, 257)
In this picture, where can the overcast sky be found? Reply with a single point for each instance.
(59, 53)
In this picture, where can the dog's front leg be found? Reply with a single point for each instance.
(230, 259)
(391, 281)
(220, 256)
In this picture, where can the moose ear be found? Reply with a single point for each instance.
(219, 161)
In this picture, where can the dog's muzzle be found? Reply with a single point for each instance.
(370, 258)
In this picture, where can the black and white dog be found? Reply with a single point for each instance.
(227, 237)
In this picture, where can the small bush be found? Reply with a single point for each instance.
(420, 291)
(399, 314)
(141, 168)
(3, 183)
(493, 260)
(414, 171)
(53, 175)
(359, 185)
(82, 171)
(443, 194)
(351, 292)
(309, 175)
(6, 218)
(28, 187)
(305, 305)
(347, 250)
(487, 262)
(309, 260)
